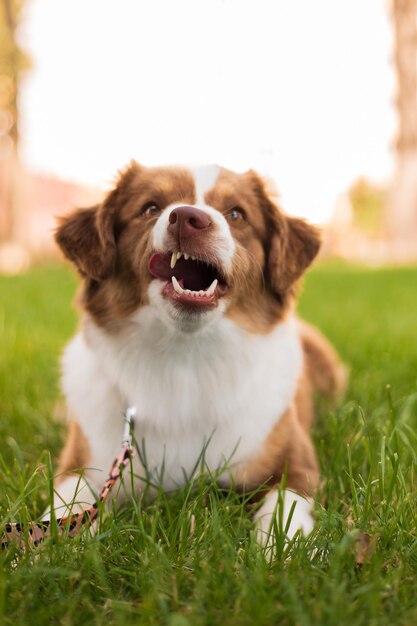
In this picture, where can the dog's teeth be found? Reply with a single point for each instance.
(207, 293)
(193, 258)
(179, 255)
(176, 285)
(186, 256)
(212, 288)
(173, 260)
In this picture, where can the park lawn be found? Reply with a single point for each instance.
(189, 558)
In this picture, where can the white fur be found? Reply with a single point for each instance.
(205, 178)
(220, 387)
(301, 519)
(177, 320)
(72, 496)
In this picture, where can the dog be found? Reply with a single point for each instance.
(189, 280)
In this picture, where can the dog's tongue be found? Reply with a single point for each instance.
(193, 273)
(160, 266)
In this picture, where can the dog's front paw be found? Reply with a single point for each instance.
(296, 516)
(73, 495)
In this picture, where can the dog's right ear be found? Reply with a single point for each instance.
(86, 236)
(87, 240)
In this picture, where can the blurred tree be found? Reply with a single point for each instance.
(13, 62)
(402, 214)
(368, 201)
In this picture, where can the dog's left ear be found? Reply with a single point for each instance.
(292, 243)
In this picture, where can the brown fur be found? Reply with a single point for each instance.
(109, 243)
(273, 251)
(75, 454)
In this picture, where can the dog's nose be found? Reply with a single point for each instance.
(186, 221)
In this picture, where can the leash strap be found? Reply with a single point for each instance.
(34, 533)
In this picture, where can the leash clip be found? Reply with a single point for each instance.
(127, 433)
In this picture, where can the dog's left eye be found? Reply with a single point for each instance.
(235, 216)
(150, 209)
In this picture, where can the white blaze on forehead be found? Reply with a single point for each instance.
(204, 178)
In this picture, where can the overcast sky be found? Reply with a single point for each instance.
(301, 90)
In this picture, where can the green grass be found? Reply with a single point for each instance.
(190, 558)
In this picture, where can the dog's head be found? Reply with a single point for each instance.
(193, 244)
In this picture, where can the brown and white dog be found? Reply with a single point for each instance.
(189, 280)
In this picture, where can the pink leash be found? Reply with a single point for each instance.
(36, 532)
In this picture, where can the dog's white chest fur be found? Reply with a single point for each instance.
(221, 389)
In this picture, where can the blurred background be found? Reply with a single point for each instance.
(319, 96)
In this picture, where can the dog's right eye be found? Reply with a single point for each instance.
(150, 209)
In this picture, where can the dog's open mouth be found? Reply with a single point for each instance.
(191, 282)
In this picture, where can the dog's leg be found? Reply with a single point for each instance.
(296, 515)
(72, 495)
(73, 491)
(290, 508)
